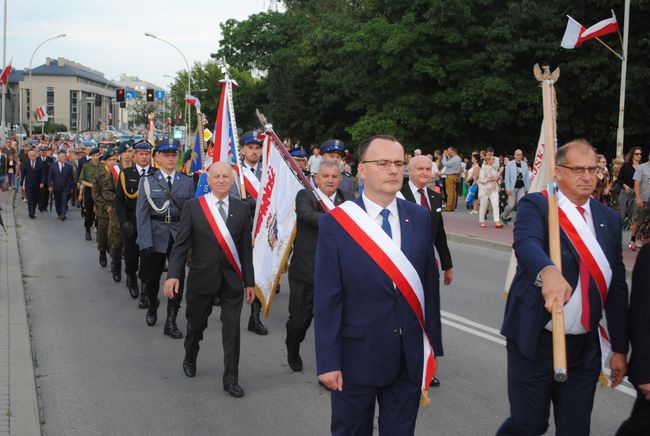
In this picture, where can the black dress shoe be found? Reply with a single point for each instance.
(434, 382)
(143, 303)
(152, 317)
(102, 259)
(234, 390)
(63, 218)
(117, 276)
(32, 216)
(216, 301)
(189, 368)
(295, 364)
(132, 286)
(88, 237)
(293, 355)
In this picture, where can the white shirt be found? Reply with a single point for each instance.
(322, 195)
(416, 194)
(215, 200)
(252, 168)
(139, 169)
(165, 175)
(573, 309)
(374, 210)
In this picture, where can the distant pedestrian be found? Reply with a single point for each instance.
(625, 181)
(488, 191)
(516, 182)
(453, 168)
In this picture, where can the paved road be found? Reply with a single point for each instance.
(101, 370)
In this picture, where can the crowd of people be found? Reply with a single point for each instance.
(364, 268)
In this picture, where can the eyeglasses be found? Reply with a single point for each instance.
(385, 165)
(638, 154)
(580, 170)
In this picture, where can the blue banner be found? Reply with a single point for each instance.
(202, 187)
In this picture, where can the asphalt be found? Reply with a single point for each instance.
(100, 370)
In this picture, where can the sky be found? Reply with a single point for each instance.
(108, 35)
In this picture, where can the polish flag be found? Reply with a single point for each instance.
(41, 113)
(193, 101)
(4, 77)
(575, 33)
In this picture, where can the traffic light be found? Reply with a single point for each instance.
(122, 104)
(119, 94)
(149, 94)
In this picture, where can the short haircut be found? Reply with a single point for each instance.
(328, 164)
(365, 143)
(560, 156)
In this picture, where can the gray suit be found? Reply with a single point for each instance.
(153, 232)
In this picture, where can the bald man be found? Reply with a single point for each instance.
(216, 228)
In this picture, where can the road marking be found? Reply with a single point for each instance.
(478, 329)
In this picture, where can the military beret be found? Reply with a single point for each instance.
(298, 153)
(250, 137)
(187, 155)
(332, 146)
(108, 153)
(61, 150)
(122, 148)
(143, 146)
(95, 150)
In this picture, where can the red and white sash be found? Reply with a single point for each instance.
(115, 171)
(251, 183)
(591, 253)
(389, 257)
(221, 232)
(325, 199)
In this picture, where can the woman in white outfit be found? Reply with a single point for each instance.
(488, 190)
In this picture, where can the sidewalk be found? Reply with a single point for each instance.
(19, 412)
(463, 227)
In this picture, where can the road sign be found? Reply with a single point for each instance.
(130, 94)
(159, 95)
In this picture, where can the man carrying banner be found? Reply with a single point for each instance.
(251, 151)
(376, 300)
(334, 149)
(216, 227)
(301, 267)
(592, 265)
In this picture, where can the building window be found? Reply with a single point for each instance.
(28, 103)
(50, 101)
(74, 107)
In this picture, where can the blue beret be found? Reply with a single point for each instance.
(332, 146)
(250, 137)
(143, 146)
(298, 153)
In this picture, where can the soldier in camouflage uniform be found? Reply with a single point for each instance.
(108, 225)
(86, 181)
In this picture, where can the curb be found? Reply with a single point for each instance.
(24, 416)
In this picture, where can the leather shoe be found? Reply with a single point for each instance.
(117, 276)
(434, 382)
(295, 364)
(102, 259)
(293, 355)
(132, 286)
(143, 303)
(189, 368)
(88, 237)
(234, 390)
(152, 317)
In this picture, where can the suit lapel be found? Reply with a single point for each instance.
(407, 193)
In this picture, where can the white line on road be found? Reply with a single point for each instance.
(472, 326)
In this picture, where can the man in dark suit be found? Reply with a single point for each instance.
(539, 285)
(61, 182)
(32, 180)
(301, 267)
(369, 343)
(214, 270)
(638, 423)
(420, 170)
(46, 161)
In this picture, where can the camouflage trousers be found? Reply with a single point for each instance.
(109, 237)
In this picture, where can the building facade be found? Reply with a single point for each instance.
(74, 95)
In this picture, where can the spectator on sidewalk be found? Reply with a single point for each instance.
(453, 166)
(603, 181)
(488, 191)
(626, 182)
(516, 182)
(642, 195)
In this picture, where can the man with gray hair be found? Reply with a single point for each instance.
(453, 168)
(517, 183)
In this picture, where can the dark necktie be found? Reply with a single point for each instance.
(32, 164)
(222, 210)
(252, 170)
(143, 172)
(385, 225)
(423, 200)
(169, 182)
(584, 284)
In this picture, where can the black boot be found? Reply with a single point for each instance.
(102, 258)
(189, 363)
(170, 324)
(254, 323)
(116, 269)
(132, 285)
(143, 303)
(88, 237)
(293, 355)
(152, 314)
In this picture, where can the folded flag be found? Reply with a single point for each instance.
(193, 101)
(4, 77)
(575, 33)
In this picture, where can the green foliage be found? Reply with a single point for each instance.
(438, 72)
(51, 127)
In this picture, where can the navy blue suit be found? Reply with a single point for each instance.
(366, 329)
(63, 182)
(32, 178)
(529, 344)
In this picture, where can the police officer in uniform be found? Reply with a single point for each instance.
(86, 180)
(161, 197)
(299, 156)
(251, 151)
(126, 197)
(334, 149)
(108, 228)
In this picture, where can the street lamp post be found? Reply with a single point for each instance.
(110, 102)
(31, 93)
(189, 78)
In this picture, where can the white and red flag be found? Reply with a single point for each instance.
(224, 143)
(109, 116)
(575, 33)
(274, 226)
(193, 101)
(41, 114)
(4, 77)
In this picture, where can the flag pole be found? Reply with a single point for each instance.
(233, 127)
(620, 132)
(548, 80)
(609, 48)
